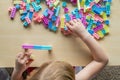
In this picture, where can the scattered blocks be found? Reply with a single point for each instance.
(92, 13)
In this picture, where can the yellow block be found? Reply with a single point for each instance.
(21, 11)
(17, 2)
(56, 3)
(28, 1)
(100, 34)
(106, 28)
(62, 22)
(82, 3)
(104, 16)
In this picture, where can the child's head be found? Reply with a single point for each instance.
(57, 70)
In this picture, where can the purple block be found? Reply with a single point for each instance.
(13, 12)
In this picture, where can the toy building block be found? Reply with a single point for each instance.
(57, 11)
(17, 2)
(78, 4)
(50, 13)
(108, 8)
(96, 36)
(66, 10)
(56, 3)
(57, 23)
(27, 7)
(30, 15)
(17, 6)
(37, 47)
(28, 20)
(36, 7)
(13, 12)
(28, 1)
(24, 14)
(67, 17)
(64, 4)
(38, 1)
(25, 24)
(45, 12)
(98, 10)
(100, 34)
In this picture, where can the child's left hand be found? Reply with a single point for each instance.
(23, 61)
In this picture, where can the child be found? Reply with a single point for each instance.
(59, 70)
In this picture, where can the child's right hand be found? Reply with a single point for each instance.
(78, 28)
(23, 61)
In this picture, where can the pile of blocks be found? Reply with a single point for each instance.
(92, 13)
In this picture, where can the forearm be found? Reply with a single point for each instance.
(16, 75)
(96, 50)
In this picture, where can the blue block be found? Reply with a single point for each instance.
(24, 14)
(30, 15)
(54, 28)
(27, 7)
(36, 7)
(97, 10)
(64, 4)
(67, 17)
(107, 22)
(25, 24)
(50, 25)
(38, 1)
(91, 32)
(103, 31)
(45, 13)
(17, 6)
(54, 18)
(57, 11)
(90, 24)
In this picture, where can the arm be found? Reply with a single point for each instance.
(98, 54)
(22, 63)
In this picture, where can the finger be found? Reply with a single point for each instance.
(68, 25)
(71, 22)
(29, 63)
(74, 20)
(78, 20)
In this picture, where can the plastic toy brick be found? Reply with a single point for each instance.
(36, 7)
(45, 13)
(30, 15)
(95, 35)
(17, 2)
(24, 14)
(25, 24)
(50, 13)
(27, 6)
(66, 10)
(28, 20)
(64, 4)
(97, 9)
(37, 47)
(57, 11)
(57, 23)
(78, 4)
(56, 3)
(91, 32)
(54, 28)
(53, 18)
(62, 22)
(67, 17)
(106, 28)
(108, 8)
(17, 6)
(28, 1)
(100, 34)
(50, 25)
(38, 1)
(13, 12)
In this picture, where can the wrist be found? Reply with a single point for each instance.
(84, 34)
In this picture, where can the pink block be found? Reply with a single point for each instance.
(26, 46)
(28, 20)
(96, 36)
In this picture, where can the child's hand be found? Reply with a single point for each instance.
(77, 27)
(23, 61)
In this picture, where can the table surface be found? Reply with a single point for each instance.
(70, 49)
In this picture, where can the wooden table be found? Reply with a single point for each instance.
(72, 50)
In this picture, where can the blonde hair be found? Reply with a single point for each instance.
(57, 70)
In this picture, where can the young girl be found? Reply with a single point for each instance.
(59, 70)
